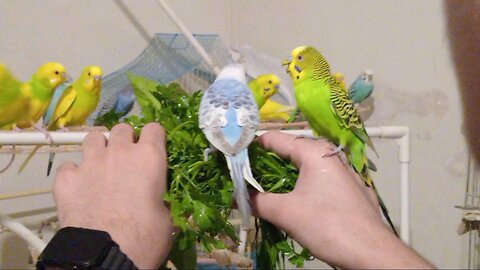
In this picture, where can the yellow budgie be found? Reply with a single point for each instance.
(263, 87)
(274, 111)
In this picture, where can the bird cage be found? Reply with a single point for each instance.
(471, 217)
(169, 58)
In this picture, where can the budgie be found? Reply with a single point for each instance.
(39, 91)
(229, 118)
(263, 87)
(362, 87)
(78, 101)
(340, 78)
(121, 104)
(22, 104)
(71, 104)
(12, 102)
(274, 111)
(330, 112)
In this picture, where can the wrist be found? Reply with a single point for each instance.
(382, 249)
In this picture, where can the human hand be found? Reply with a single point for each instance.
(331, 212)
(118, 188)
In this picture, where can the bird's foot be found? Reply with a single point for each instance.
(334, 151)
(46, 132)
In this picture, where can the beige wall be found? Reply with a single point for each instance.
(404, 42)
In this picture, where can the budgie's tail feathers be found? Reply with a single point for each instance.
(247, 174)
(51, 156)
(383, 207)
(236, 166)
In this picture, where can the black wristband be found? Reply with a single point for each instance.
(79, 248)
(116, 259)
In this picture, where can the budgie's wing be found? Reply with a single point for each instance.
(125, 100)
(347, 115)
(352, 89)
(222, 97)
(64, 103)
(7, 82)
(59, 91)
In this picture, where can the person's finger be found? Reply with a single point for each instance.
(288, 146)
(68, 165)
(268, 206)
(153, 133)
(121, 134)
(94, 143)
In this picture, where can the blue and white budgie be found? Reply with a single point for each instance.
(229, 118)
(362, 87)
(121, 104)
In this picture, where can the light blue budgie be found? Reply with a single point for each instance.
(121, 104)
(362, 87)
(229, 118)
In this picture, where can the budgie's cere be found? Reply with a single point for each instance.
(362, 87)
(39, 90)
(229, 117)
(328, 110)
(263, 87)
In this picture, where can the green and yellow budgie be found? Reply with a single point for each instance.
(22, 104)
(39, 91)
(78, 101)
(329, 111)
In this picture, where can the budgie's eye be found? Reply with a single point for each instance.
(89, 74)
(270, 82)
(56, 72)
(300, 57)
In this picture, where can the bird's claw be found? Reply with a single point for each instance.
(334, 151)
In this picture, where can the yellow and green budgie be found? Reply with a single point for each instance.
(22, 104)
(39, 91)
(78, 101)
(330, 112)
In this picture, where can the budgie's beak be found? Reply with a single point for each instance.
(96, 80)
(286, 63)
